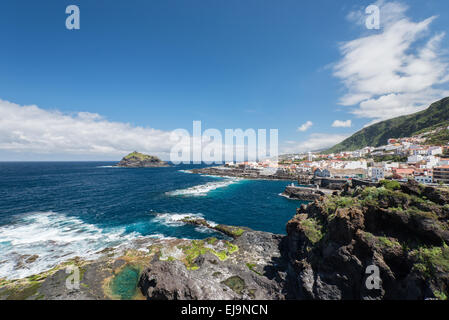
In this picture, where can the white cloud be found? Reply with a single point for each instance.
(305, 126)
(30, 129)
(32, 133)
(316, 141)
(395, 71)
(342, 124)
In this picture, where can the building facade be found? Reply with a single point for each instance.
(441, 174)
(376, 173)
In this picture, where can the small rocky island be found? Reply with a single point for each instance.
(140, 160)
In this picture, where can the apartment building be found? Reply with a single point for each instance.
(441, 174)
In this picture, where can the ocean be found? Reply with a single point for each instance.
(59, 210)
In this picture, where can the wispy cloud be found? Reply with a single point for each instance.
(305, 126)
(342, 124)
(316, 141)
(30, 129)
(30, 133)
(395, 71)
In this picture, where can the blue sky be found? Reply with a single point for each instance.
(231, 64)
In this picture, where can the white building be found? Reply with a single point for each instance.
(389, 166)
(419, 151)
(376, 173)
(433, 151)
(356, 165)
(391, 147)
(432, 161)
(310, 156)
(424, 179)
(268, 171)
(415, 158)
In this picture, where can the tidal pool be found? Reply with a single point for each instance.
(124, 284)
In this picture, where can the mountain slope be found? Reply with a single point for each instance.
(435, 116)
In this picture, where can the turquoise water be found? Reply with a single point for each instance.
(124, 284)
(60, 210)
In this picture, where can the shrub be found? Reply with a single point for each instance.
(391, 184)
(312, 230)
(433, 259)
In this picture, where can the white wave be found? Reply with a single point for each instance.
(203, 189)
(54, 238)
(216, 177)
(185, 171)
(175, 219)
(202, 229)
(284, 195)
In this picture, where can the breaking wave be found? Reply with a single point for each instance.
(203, 189)
(39, 241)
(175, 219)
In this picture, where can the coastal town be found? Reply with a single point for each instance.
(319, 173)
(401, 159)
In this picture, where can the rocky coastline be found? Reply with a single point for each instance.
(304, 193)
(399, 228)
(245, 173)
(241, 264)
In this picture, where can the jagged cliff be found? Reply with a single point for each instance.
(401, 229)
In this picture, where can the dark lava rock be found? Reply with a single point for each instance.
(334, 241)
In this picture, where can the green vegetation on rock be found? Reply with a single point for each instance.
(140, 156)
(401, 226)
(138, 160)
(432, 260)
(391, 184)
(388, 242)
(312, 229)
(199, 247)
(232, 231)
(252, 266)
(440, 295)
(23, 293)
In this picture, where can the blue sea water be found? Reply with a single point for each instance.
(59, 210)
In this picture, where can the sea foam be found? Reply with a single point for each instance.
(54, 238)
(176, 219)
(203, 189)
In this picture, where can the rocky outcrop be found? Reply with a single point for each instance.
(302, 193)
(246, 173)
(246, 265)
(336, 242)
(333, 248)
(255, 270)
(140, 160)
